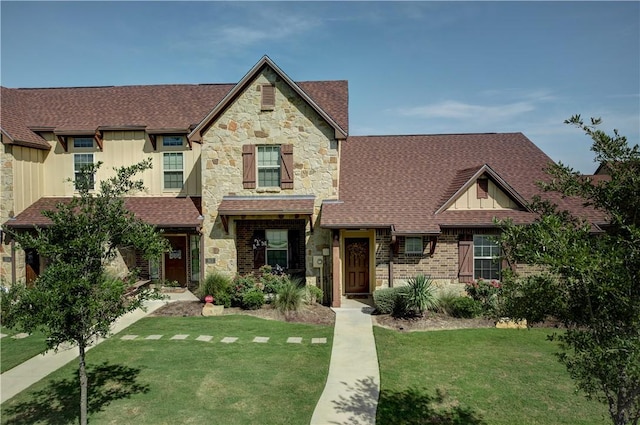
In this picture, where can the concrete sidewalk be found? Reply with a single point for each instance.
(351, 393)
(24, 375)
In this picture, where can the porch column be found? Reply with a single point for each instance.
(336, 272)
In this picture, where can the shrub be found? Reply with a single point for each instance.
(270, 280)
(385, 299)
(420, 295)
(289, 297)
(239, 286)
(253, 299)
(312, 294)
(445, 299)
(217, 285)
(486, 292)
(465, 307)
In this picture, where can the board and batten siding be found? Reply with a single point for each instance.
(122, 148)
(28, 176)
(495, 199)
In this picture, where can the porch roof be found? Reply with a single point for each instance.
(266, 205)
(163, 212)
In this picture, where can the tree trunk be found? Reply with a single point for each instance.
(82, 372)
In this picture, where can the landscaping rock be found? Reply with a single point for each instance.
(212, 310)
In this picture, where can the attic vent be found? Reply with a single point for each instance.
(268, 102)
(483, 188)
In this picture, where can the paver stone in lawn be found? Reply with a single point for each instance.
(21, 335)
(229, 339)
(180, 336)
(205, 338)
(154, 337)
(261, 339)
(318, 340)
(3, 335)
(294, 340)
(129, 337)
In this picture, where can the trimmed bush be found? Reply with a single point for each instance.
(464, 307)
(253, 299)
(385, 299)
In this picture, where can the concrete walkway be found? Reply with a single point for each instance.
(351, 393)
(24, 375)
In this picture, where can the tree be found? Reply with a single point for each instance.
(74, 300)
(592, 278)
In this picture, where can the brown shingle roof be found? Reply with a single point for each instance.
(156, 107)
(162, 212)
(260, 205)
(401, 181)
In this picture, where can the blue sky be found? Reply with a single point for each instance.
(412, 67)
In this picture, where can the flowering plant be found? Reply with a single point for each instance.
(487, 292)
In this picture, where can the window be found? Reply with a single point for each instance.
(268, 100)
(413, 245)
(277, 248)
(83, 142)
(194, 242)
(486, 261)
(268, 166)
(80, 161)
(172, 141)
(173, 170)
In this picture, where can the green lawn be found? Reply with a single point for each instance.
(15, 351)
(187, 381)
(477, 376)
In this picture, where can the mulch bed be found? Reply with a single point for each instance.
(322, 315)
(314, 314)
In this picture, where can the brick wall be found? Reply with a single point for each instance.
(244, 241)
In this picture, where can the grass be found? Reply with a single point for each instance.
(477, 376)
(16, 351)
(187, 381)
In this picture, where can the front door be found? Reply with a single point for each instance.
(32, 260)
(175, 261)
(357, 267)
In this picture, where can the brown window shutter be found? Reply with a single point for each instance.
(259, 252)
(465, 261)
(483, 188)
(286, 166)
(268, 101)
(249, 166)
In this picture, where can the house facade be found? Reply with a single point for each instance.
(264, 171)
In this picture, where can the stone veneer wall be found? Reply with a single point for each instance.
(6, 210)
(315, 156)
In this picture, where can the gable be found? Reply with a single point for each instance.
(268, 73)
(475, 198)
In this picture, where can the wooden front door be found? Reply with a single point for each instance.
(175, 261)
(32, 260)
(357, 265)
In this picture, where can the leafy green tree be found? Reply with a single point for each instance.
(592, 277)
(74, 300)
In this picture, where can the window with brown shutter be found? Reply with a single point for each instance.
(268, 100)
(286, 167)
(483, 188)
(249, 166)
